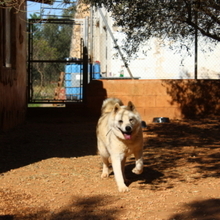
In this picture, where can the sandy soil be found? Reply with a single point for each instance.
(49, 170)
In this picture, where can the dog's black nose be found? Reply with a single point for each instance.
(128, 128)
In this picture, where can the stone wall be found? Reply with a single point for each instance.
(82, 11)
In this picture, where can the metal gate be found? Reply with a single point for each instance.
(53, 76)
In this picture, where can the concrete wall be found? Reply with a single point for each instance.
(176, 99)
(13, 75)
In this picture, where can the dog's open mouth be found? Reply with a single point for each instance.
(127, 134)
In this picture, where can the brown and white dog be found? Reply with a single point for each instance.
(119, 134)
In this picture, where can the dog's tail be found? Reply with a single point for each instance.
(108, 104)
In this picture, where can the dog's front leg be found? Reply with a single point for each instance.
(138, 162)
(118, 162)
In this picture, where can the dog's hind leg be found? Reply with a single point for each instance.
(105, 169)
(138, 162)
(105, 159)
(123, 169)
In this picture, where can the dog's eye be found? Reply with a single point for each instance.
(131, 119)
(120, 121)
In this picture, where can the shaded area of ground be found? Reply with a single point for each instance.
(48, 132)
(49, 170)
(202, 210)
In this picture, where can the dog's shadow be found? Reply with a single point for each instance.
(147, 177)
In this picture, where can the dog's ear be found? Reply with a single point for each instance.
(116, 108)
(130, 106)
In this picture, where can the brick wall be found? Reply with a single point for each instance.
(176, 99)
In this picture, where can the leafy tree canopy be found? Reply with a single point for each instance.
(51, 41)
(171, 19)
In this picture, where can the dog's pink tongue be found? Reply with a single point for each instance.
(127, 136)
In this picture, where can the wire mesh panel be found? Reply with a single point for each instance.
(157, 58)
(50, 76)
(44, 81)
(208, 59)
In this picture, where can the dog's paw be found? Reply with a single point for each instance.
(123, 188)
(137, 171)
(104, 175)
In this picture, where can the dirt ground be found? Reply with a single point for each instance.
(49, 170)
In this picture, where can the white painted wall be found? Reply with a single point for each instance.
(159, 63)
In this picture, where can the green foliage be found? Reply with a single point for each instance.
(51, 41)
(43, 50)
(171, 19)
(57, 36)
(34, 16)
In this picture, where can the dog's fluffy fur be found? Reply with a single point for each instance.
(119, 134)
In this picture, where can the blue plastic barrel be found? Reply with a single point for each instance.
(72, 81)
(68, 68)
(73, 68)
(68, 83)
(96, 71)
(96, 76)
(68, 93)
(96, 68)
(67, 76)
(77, 92)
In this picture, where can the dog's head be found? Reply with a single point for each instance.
(126, 121)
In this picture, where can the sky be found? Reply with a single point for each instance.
(34, 7)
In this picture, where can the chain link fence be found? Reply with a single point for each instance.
(156, 59)
(53, 75)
